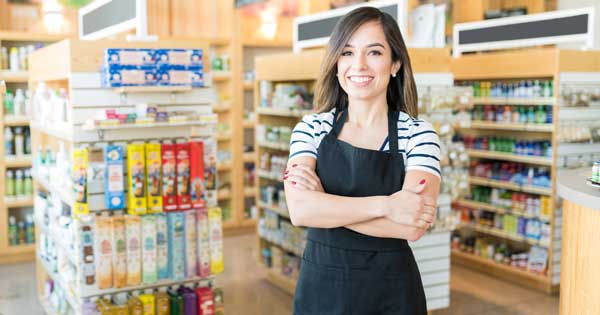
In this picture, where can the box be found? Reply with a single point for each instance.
(119, 252)
(218, 297)
(104, 248)
(178, 57)
(136, 179)
(79, 173)
(216, 240)
(176, 238)
(133, 231)
(135, 306)
(153, 167)
(197, 174)
(191, 260)
(206, 305)
(140, 58)
(169, 177)
(114, 192)
(203, 242)
(182, 156)
(86, 226)
(149, 269)
(148, 303)
(119, 77)
(190, 301)
(174, 77)
(210, 172)
(162, 249)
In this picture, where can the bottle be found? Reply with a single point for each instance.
(540, 115)
(8, 141)
(507, 114)
(13, 234)
(21, 227)
(14, 59)
(522, 115)
(27, 141)
(19, 189)
(531, 115)
(537, 89)
(476, 90)
(162, 302)
(3, 58)
(516, 115)
(9, 103)
(549, 114)
(28, 183)
(10, 184)
(19, 103)
(19, 140)
(135, 305)
(29, 230)
(22, 58)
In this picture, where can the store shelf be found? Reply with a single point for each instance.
(513, 101)
(248, 123)
(219, 108)
(18, 161)
(224, 166)
(19, 36)
(274, 146)
(274, 208)
(153, 89)
(57, 278)
(270, 175)
(58, 241)
(282, 112)
(225, 136)
(64, 196)
(284, 283)
(249, 157)
(149, 125)
(499, 233)
(466, 258)
(248, 85)
(512, 126)
(48, 309)
(295, 251)
(20, 249)
(14, 77)
(163, 283)
(537, 160)
(249, 191)
(18, 202)
(488, 207)
(249, 222)
(223, 194)
(250, 42)
(511, 186)
(220, 76)
(53, 132)
(16, 121)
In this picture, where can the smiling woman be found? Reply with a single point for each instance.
(363, 175)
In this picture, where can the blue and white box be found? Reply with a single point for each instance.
(172, 77)
(178, 57)
(133, 58)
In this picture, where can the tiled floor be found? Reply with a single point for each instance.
(248, 293)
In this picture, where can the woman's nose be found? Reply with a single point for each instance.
(359, 62)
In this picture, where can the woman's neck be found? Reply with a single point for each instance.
(367, 113)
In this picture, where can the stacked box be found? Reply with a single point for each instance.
(197, 174)
(137, 179)
(216, 240)
(104, 248)
(162, 249)
(210, 172)
(182, 158)
(176, 238)
(153, 166)
(191, 262)
(87, 253)
(119, 252)
(169, 177)
(80, 181)
(203, 242)
(133, 231)
(149, 269)
(114, 178)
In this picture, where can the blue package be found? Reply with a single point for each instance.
(142, 58)
(178, 57)
(114, 190)
(175, 77)
(176, 245)
(162, 248)
(117, 77)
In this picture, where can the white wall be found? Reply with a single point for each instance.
(574, 4)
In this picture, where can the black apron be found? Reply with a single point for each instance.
(344, 272)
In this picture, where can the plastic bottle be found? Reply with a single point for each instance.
(135, 305)
(522, 115)
(13, 234)
(549, 114)
(516, 115)
(9, 190)
(27, 140)
(507, 114)
(29, 230)
(19, 103)
(19, 140)
(23, 58)
(163, 306)
(8, 141)
(19, 188)
(27, 183)
(14, 59)
(540, 115)
(9, 103)
(21, 227)
(547, 91)
(531, 115)
(3, 58)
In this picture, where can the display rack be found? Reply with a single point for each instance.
(75, 68)
(432, 252)
(21, 205)
(562, 67)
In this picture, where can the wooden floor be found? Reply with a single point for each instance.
(472, 293)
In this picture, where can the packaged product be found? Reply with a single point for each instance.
(218, 297)
(148, 300)
(119, 252)
(104, 248)
(169, 177)
(176, 302)
(136, 178)
(162, 248)
(149, 270)
(163, 306)
(203, 242)
(190, 301)
(210, 172)
(114, 182)
(191, 261)
(182, 156)
(135, 305)
(197, 174)
(216, 240)
(190, 58)
(173, 77)
(153, 167)
(87, 253)
(141, 58)
(176, 237)
(133, 231)
(206, 304)
(80, 189)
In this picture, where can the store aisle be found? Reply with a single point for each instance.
(18, 290)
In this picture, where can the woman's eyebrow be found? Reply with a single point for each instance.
(368, 46)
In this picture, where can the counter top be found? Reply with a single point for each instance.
(571, 185)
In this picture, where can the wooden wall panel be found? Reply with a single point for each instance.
(192, 18)
(159, 18)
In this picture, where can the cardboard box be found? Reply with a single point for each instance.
(182, 155)
(216, 240)
(136, 178)
(162, 248)
(119, 252)
(191, 260)
(140, 58)
(174, 77)
(114, 177)
(79, 173)
(206, 304)
(169, 177)
(149, 267)
(87, 253)
(133, 231)
(104, 248)
(197, 174)
(178, 57)
(176, 238)
(203, 242)
(153, 168)
(210, 172)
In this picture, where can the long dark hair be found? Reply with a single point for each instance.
(401, 91)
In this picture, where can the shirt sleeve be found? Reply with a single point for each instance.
(303, 141)
(423, 149)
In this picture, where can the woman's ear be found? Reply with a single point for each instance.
(395, 68)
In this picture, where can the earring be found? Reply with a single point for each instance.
(393, 75)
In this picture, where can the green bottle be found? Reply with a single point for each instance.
(10, 183)
(19, 187)
(28, 183)
(9, 103)
(476, 91)
(13, 234)
(540, 115)
(176, 302)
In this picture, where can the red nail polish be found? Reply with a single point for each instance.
(285, 177)
(422, 182)
(294, 165)
(293, 183)
(286, 172)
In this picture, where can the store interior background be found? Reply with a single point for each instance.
(246, 37)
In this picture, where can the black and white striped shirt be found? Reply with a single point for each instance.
(418, 142)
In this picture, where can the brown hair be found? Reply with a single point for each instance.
(401, 91)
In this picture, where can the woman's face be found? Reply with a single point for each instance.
(365, 65)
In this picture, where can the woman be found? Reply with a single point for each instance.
(363, 176)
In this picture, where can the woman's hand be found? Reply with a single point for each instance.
(303, 177)
(409, 207)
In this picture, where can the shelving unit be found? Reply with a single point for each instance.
(19, 79)
(76, 69)
(553, 64)
(432, 252)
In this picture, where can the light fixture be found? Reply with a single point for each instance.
(268, 19)
(54, 19)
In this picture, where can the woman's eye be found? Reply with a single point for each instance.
(347, 53)
(375, 53)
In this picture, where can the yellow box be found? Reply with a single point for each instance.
(216, 240)
(80, 191)
(136, 178)
(148, 304)
(153, 178)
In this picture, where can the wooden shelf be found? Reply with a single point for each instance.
(270, 175)
(16, 121)
(513, 101)
(153, 89)
(248, 85)
(284, 283)
(224, 136)
(274, 146)
(282, 112)
(488, 207)
(21, 249)
(223, 194)
(224, 166)
(16, 202)
(537, 160)
(265, 43)
(219, 108)
(248, 123)
(511, 186)
(249, 191)
(249, 157)
(14, 77)
(512, 126)
(273, 208)
(22, 161)
(220, 76)
(18, 36)
(499, 233)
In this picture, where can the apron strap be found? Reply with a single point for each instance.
(338, 123)
(393, 132)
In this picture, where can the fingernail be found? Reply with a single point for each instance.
(293, 183)
(294, 165)
(285, 177)
(285, 172)
(422, 182)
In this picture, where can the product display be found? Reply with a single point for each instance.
(509, 145)
(15, 58)
(285, 96)
(276, 135)
(513, 114)
(517, 173)
(512, 89)
(17, 104)
(17, 142)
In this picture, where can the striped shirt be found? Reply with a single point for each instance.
(418, 142)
